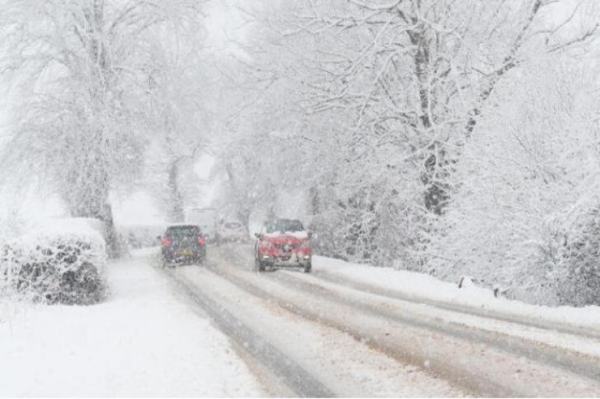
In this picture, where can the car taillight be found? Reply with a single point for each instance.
(166, 242)
(201, 241)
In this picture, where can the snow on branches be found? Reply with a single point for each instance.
(411, 118)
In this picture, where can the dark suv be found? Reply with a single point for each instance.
(183, 244)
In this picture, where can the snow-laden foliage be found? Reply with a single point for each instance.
(60, 263)
(83, 75)
(182, 98)
(525, 212)
(579, 260)
(393, 117)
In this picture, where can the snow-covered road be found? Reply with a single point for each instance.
(337, 333)
(221, 329)
(329, 361)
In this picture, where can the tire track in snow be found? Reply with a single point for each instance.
(295, 377)
(577, 363)
(486, 313)
(573, 364)
(471, 383)
(498, 315)
(592, 368)
(348, 368)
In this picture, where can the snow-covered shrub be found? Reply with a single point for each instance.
(579, 277)
(376, 226)
(327, 241)
(64, 264)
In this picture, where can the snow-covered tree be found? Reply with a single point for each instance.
(525, 214)
(182, 88)
(386, 95)
(82, 70)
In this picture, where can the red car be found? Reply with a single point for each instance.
(283, 243)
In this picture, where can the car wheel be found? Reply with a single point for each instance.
(308, 268)
(258, 265)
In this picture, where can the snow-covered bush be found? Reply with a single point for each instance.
(579, 276)
(60, 264)
(376, 226)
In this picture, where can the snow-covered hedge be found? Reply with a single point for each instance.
(63, 263)
(579, 261)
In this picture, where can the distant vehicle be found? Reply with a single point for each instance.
(283, 243)
(232, 231)
(183, 243)
(206, 219)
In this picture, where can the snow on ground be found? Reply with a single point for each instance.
(420, 285)
(345, 366)
(143, 341)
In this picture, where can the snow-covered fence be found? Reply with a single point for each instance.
(63, 264)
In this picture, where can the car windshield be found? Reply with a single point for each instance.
(284, 225)
(183, 231)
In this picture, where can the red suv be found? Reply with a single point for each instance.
(284, 243)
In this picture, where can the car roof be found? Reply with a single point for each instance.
(285, 220)
(181, 225)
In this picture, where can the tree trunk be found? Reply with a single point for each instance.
(436, 193)
(104, 213)
(175, 206)
(314, 201)
(113, 244)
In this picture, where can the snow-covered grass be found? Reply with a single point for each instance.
(425, 287)
(142, 341)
